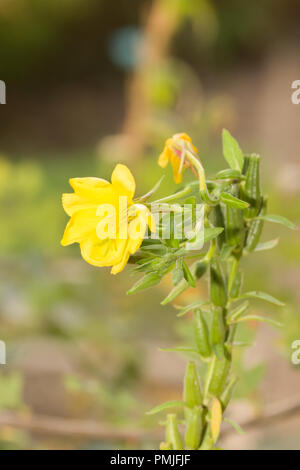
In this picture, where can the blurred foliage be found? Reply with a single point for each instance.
(11, 391)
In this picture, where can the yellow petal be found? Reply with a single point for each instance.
(72, 203)
(184, 136)
(176, 166)
(81, 224)
(216, 418)
(102, 252)
(120, 266)
(88, 196)
(123, 181)
(163, 159)
(84, 186)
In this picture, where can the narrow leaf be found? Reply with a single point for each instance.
(235, 426)
(259, 318)
(232, 151)
(180, 349)
(278, 219)
(165, 406)
(149, 280)
(177, 273)
(233, 201)
(188, 308)
(263, 296)
(188, 275)
(267, 245)
(152, 191)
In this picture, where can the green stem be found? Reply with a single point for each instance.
(205, 196)
(174, 197)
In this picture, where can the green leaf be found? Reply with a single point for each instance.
(233, 201)
(152, 191)
(210, 233)
(259, 318)
(263, 296)
(157, 248)
(225, 251)
(278, 219)
(188, 308)
(149, 280)
(232, 151)
(267, 245)
(241, 344)
(228, 174)
(177, 273)
(181, 349)
(237, 312)
(188, 275)
(235, 425)
(165, 406)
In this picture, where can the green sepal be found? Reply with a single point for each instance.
(173, 436)
(251, 186)
(194, 427)
(216, 375)
(217, 286)
(217, 332)
(192, 395)
(201, 334)
(255, 228)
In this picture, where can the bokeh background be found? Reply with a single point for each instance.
(91, 83)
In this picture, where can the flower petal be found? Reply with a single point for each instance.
(175, 161)
(163, 159)
(84, 186)
(88, 194)
(102, 252)
(120, 266)
(81, 224)
(72, 203)
(123, 180)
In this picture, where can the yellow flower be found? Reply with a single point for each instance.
(174, 151)
(104, 219)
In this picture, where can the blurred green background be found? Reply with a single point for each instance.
(91, 83)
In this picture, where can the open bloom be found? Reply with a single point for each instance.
(174, 151)
(105, 221)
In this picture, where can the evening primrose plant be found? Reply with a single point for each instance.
(206, 227)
